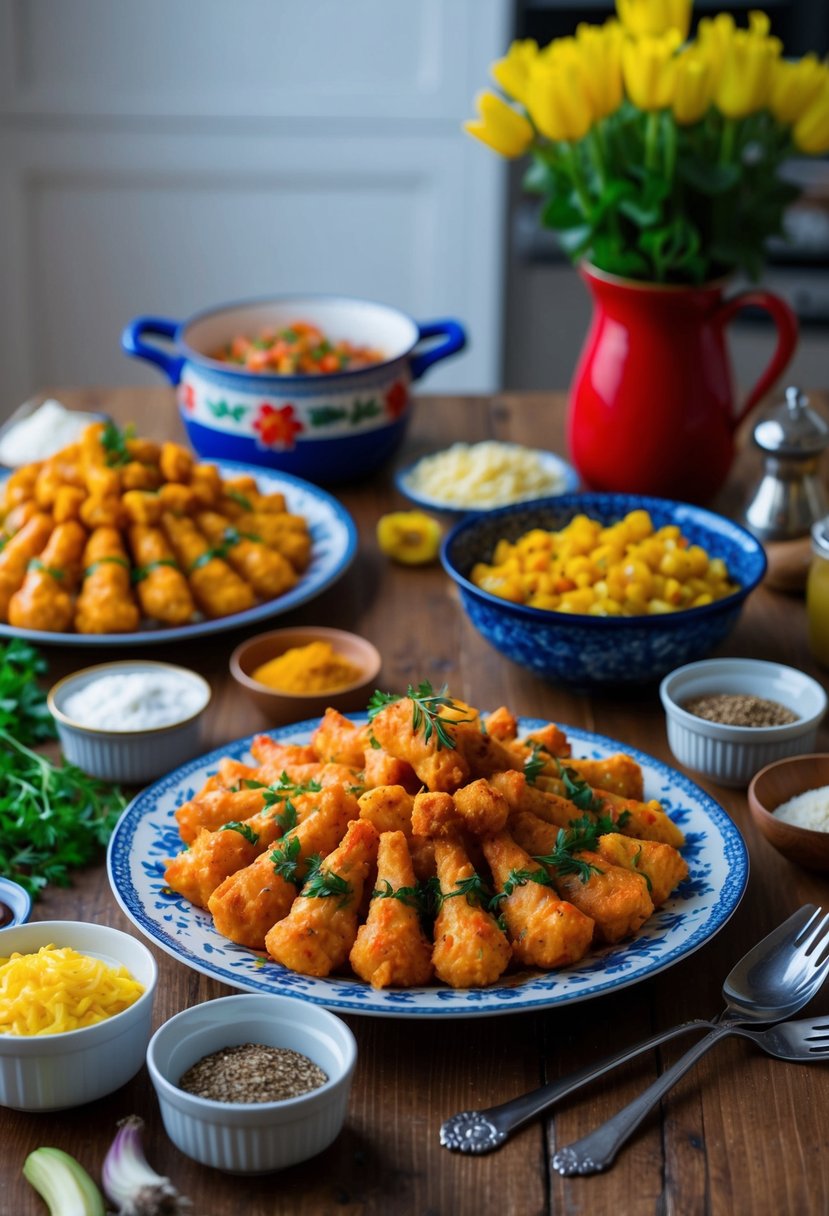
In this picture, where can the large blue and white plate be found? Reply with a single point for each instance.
(147, 834)
(333, 546)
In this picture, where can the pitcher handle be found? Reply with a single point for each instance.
(132, 342)
(785, 321)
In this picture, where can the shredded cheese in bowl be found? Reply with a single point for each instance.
(484, 475)
(57, 989)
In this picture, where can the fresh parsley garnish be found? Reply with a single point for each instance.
(473, 889)
(535, 763)
(519, 878)
(577, 789)
(244, 829)
(114, 440)
(570, 841)
(285, 859)
(413, 897)
(326, 884)
(53, 817)
(282, 791)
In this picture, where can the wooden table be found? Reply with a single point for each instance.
(741, 1134)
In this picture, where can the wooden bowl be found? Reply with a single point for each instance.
(774, 785)
(284, 707)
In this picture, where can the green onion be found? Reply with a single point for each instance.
(63, 1183)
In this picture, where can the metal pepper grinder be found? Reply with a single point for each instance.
(790, 495)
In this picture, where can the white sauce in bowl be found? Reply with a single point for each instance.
(48, 429)
(134, 701)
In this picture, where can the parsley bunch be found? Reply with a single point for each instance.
(53, 817)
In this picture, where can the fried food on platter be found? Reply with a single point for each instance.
(44, 599)
(189, 538)
(316, 936)
(499, 871)
(106, 603)
(616, 898)
(391, 949)
(248, 902)
(544, 931)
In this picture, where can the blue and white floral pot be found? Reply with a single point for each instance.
(327, 428)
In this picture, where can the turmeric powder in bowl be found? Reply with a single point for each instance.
(316, 667)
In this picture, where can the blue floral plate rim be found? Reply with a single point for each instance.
(333, 548)
(146, 834)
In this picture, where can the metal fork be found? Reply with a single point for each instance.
(805, 972)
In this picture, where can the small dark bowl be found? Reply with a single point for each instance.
(584, 651)
(776, 784)
(17, 900)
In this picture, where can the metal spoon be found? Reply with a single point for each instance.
(785, 978)
(752, 992)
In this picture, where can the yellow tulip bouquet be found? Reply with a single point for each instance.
(657, 157)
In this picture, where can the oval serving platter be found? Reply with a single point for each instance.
(146, 835)
(333, 547)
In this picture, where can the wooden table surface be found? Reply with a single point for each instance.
(741, 1134)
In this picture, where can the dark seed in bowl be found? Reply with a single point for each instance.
(740, 709)
(252, 1072)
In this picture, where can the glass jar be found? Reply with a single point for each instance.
(817, 593)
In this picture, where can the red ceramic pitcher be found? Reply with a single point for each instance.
(652, 407)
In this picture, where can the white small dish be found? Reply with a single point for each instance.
(565, 480)
(731, 755)
(131, 757)
(57, 1071)
(252, 1137)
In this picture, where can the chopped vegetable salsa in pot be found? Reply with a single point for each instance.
(297, 349)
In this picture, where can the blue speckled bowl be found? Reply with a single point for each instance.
(591, 651)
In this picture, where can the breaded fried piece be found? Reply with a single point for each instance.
(521, 796)
(316, 936)
(20, 485)
(276, 755)
(16, 555)
(217, 589)
(545, 931)
(389, 808)
(106, 603)
(287, 534)
(45, 598)
(338, 740)
(482, 809)
(645, 820)
(268, 572)
(248, 902)
(212, 808)
(620, 774)
(437, 766)
(470, 950)
(502, 724)
(613, 896)
(163, 591)
(391, 950)
(661, 865)
(196, 871)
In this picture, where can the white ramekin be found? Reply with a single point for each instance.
(131, 757)
(255, 1137)
(56, 1071)
(731, 755)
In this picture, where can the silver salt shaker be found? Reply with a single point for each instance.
(790, 495)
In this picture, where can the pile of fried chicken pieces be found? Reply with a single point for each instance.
(377, 810)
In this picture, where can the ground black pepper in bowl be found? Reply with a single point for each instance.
(740, 709)
(252, 1072)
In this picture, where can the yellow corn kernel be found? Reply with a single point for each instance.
(639, 524)
(698, 559)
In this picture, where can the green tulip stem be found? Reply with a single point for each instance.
(577, 178)
(597, 156)
(670, 147)
(727, 141)
(652, 139)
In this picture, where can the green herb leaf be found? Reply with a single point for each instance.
(535, 763)
(114, 442)
(285, 859)
(326, 884)
(427, 705)
(563, 858)
(413, 897)
(519, 878)
(244, 829)
(473, 890)
(577, 789)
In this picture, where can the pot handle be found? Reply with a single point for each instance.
(785, 321)
(132, 342)
(455, 335)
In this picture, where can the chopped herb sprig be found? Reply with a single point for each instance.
(426, 707)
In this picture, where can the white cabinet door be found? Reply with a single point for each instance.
(165, 157)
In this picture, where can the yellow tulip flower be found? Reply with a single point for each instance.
(558, 96)
(694, 86)
(811, 131)
(748, 65)
(513, 71)
(649, 67)
(795, 86)
(714, 35)
(647, 18)
(500, 126)
(601, 52)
